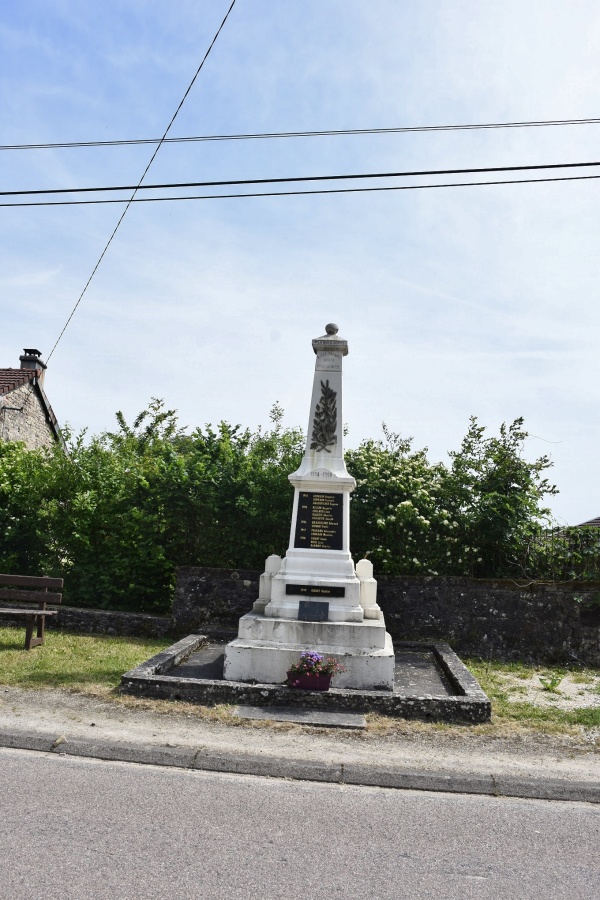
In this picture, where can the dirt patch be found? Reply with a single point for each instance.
(550, 690)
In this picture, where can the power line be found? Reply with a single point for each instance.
(356, 190)
(301, 178)
(152, 158)
(301, 134)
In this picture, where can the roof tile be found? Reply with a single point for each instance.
(11, 379)
(593, 522)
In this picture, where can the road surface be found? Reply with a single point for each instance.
(84, 828)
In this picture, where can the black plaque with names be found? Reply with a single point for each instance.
(313, 611)
(319, 521)
(315, 590)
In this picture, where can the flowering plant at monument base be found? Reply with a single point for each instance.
(313, 672)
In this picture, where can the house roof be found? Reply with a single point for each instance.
(11, 379)
(593, 522)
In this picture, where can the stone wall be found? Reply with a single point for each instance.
(492, 619)
(537, 623)
(102, 621)
(22, 418)
(105, 621)
(212, 600)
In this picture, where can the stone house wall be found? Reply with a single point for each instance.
(22, 418)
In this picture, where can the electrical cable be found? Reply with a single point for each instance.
(301, 134)
(301, 178)
(357, 190)
(152, 158)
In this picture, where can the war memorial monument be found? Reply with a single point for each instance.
(316, 601)
(315, 598)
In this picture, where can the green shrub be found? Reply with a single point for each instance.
(117, 513)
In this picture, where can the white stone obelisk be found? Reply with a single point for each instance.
(318, 556)
(313, 598)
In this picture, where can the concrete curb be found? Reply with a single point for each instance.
(500, 785)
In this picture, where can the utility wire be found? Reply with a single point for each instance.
(356, 190)
(136, 188)
(300, 134)
(298, 178)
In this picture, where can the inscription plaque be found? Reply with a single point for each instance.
(320, 521)
(313, 611)
(315, 590)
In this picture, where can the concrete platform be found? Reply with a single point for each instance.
(302, 716)
(369, 634)
(430, 683)
(265, 648)
(253, 661)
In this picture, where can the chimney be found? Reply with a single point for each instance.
(31, 359)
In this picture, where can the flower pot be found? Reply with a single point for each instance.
(309, 682)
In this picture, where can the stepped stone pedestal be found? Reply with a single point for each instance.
(315, 599)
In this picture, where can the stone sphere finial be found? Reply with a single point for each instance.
(331, 328)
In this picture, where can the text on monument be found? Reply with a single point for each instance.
(319, 522)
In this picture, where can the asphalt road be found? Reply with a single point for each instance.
(84, 828)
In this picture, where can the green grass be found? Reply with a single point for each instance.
(71, 661)
(583, 677)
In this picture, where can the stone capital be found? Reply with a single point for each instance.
(331, 343)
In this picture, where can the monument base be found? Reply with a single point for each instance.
(267, 647)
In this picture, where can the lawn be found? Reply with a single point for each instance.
(71, 661)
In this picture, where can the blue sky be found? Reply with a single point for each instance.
(456, 302)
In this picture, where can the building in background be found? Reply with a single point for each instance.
(25, 413)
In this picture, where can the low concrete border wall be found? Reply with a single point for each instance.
(469, 705)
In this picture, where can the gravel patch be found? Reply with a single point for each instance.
(568, 694)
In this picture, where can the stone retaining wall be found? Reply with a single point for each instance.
(210, 600)
(491, 619)
(538, 623)
(102, 621)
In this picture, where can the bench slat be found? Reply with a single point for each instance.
(4, 611)
(34, 581)
(30, 596)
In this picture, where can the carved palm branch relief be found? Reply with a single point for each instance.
(325, 421)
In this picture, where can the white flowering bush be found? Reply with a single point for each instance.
(474, 517)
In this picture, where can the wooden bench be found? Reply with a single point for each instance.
(28, 589)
